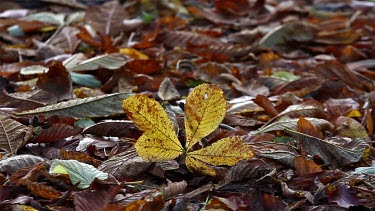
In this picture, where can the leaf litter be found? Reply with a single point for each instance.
(189, 105)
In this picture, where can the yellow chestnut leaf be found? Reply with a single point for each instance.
(204, 110)
(159, 141)
(195, 165)
(227, 151)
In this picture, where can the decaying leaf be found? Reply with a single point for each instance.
(124, 164)
(17, 162)
(283, 123)
(331, 154)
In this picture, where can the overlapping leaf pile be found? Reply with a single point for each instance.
(284, 119)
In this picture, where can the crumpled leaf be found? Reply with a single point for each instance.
(17, 162)
(12, 134)
(204, 110)
(78, 172)
(283, 123)
(82, 108)
(127, 163)
(330, 153)
(348, 127)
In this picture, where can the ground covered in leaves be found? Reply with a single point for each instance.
(297, 77)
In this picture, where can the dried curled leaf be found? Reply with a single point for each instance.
(159, 142)
(204, 110)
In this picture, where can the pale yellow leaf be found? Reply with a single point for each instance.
(204, 110)
(156, 150)
(227, 151)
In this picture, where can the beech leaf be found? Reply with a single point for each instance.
(12, 134)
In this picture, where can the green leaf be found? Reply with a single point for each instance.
(78, 172)
(100, 106)
(46, 17)
(85, 80)
(365, 170)
(84, 123)
(285, 75)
